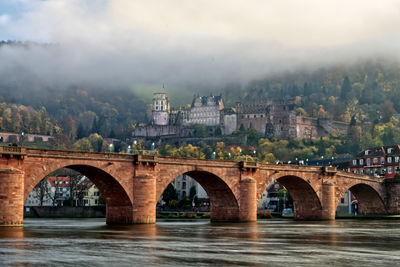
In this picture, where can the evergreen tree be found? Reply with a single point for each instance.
(169, 194)
(307, 89)
(80, 133)
(95, 127)
(346, 88)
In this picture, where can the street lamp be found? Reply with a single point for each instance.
(213, 155)
(21, 141)
(111, 148)
(135, 143)
(229, 155)
(152, 146)
(129, 150)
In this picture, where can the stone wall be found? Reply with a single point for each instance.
(65, 212)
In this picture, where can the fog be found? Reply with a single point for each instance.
(186, 44)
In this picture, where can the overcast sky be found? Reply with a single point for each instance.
(201, 43)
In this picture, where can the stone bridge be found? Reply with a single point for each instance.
(132, 184)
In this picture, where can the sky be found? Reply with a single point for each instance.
(186, 44)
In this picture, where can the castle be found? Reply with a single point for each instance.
(270, 118)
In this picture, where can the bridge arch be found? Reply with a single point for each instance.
(369, 199)
(306, 202)
(224, 204)
(118, 203)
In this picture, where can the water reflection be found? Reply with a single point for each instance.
(89, 242)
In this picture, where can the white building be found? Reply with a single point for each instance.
(160, 110)
(206, 110)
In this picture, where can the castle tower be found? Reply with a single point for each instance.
(160, 112)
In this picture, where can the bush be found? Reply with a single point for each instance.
(264, 215)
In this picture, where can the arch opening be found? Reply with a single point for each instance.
(210, 194)
(81, 185)
(306, 203)
(275, 201)
(360, 200)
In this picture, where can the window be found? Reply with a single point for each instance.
(368, 162)
(354, 162)
(342, 200)
(389, 150)
(355, 171)
(361, 171)
(366, 152)
(389, 160)
(375, 160)
(361, 161)
(390, 170)
(383, 170)
(396, 159)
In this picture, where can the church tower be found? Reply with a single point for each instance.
(160, 112)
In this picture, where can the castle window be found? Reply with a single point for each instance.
(361, 162)
(354, 162)
(389, 160)
(390, 170)
(396, 159)
(255, 116)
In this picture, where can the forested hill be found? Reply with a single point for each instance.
(366, 89)
(367, 92)
(73, 112)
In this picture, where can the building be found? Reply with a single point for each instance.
(271, 201)
(179, 116)
(270, 118)
(56, 191)
(24, 137)
(377, 161)
(183, 183)
(277, 118)
(160, 110)
(206, 110)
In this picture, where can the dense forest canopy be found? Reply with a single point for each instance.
(365, 94)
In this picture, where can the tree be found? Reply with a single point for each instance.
(200, 130)
(346, 89)
(83, 145)
(96, 142)
(387, 110)
(169, 194)
(80, 133)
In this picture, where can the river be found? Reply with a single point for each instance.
(90, 242)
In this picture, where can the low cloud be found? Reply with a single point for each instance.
(126, 43)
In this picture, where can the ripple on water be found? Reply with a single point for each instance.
(90, 242)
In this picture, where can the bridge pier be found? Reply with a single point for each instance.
(144, 199)
(328, 202)
(392, 199)
(119, 214)
(248, 200)
(11, 197)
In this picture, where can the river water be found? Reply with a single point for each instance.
(90, 242)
